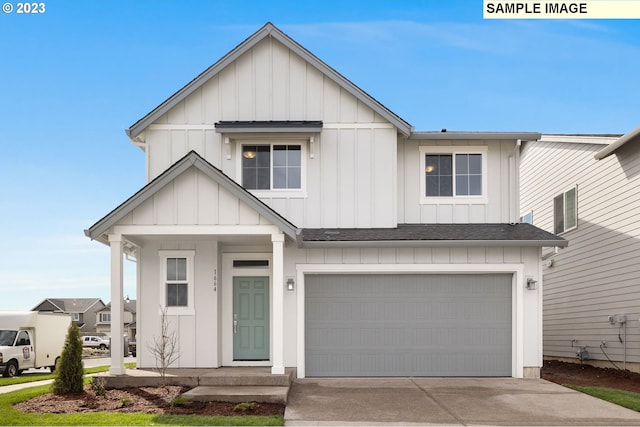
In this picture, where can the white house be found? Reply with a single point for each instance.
(291, 220)
(585, 188)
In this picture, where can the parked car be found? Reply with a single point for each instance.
(95, 342)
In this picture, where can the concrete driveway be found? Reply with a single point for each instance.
(447, 401)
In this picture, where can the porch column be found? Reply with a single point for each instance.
(117, 325)
(278, 303)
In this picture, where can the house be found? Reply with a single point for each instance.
(82, 311)
(585, 188)
(291, 220)
(103, 319)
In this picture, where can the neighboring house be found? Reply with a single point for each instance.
(291, 220)
(103, 319)
(82, 311)
(586, 188)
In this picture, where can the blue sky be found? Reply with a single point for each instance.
(72, 79)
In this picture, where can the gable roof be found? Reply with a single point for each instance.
(521, 234)
(268, 30)
(129, 306)
(191, 159)
(611, 148)
(70, 305)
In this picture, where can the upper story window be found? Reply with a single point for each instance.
(565, 211)
(272, 166)
(75, 317)
(105, 317)
(527, 218)
(453, 174)
(177, 281)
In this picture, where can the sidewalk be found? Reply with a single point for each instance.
(88, 363)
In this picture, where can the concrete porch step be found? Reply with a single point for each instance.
(238, 394)
(246, 377)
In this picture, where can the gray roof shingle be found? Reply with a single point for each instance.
(511, 234)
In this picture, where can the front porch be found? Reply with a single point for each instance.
(227, 384)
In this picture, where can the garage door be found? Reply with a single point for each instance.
(408, 325)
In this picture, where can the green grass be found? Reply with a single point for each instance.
(623, 398)
(37, 376)
(11, 417)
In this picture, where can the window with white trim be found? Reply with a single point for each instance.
(565, 211)
(75, 317)
(527, 218)
(451, 173)
(272, 166)
(105, 317)
(177, 281)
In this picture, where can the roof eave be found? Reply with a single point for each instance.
(267, 30)
(455, 135)
(432, 243)
(611, 148)
(98, 230)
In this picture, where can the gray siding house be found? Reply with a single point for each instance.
(586, 189)
(291, 220)
(103, 319)
(82, 310)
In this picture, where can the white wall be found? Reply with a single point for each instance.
(198, 334)
(501, 186)
(351, 171)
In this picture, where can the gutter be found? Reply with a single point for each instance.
(611, 148)
(430, 243)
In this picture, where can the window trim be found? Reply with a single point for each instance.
(453, 150)
(524, 216)
(189, 309)
(101, 320)
(271, 141)
(564, 210)
(75, 317)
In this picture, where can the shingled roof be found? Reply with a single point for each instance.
(436, 235)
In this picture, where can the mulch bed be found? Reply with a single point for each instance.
(150, 400)
(587, 375)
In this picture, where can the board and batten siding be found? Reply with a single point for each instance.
(197, 334)
(193, 199)
(501, 194)
(419, 255)
(598, 274)
(351, 169)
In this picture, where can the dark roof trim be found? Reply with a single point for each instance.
(525, 136)
(434, 235)
(192, 159)
(268, 30)
(305, 126)
(611, 148)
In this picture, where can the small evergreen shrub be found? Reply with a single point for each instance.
(125, 401)
(69, 371)
(98, 385)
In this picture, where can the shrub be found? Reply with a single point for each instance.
(244, 407)
(179, 401)
(69, 371)
(98, 385)
(125, 401)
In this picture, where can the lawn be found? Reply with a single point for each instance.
(40, 376)
(623, 398)
(12, 417)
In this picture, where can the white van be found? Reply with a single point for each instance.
(30, 339)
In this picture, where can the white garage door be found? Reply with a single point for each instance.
(408, 325)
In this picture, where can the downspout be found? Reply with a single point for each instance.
(514, 183)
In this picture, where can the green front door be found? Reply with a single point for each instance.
(250, 318)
